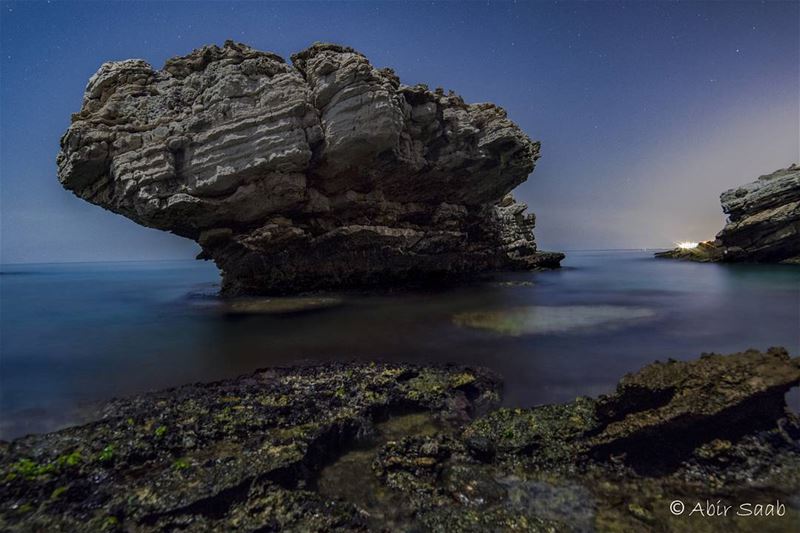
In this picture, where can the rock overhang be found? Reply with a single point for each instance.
(273, 158)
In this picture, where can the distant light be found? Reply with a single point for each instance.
(687, 245)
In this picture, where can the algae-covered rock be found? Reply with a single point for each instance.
(233, 455)
(546, 434)
(660, 414)
(714, 428)
(379, 447)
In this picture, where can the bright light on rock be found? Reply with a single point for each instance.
(687, 245)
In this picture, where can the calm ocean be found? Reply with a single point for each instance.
(75, 334)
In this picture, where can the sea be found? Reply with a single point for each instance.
(73, 335)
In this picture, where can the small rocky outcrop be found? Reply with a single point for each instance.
(386, 447)
(763, 223)
(326, 172)
(669, 409)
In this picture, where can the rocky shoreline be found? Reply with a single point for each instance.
(370, 447)
(763, 224)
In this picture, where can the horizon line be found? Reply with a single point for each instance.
(95, 261)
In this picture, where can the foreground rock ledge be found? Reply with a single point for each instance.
(343, 447)
(327, 172)
(763, 223)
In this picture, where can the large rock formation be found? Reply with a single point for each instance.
(392, 447)
(763, 223)
(326, 172)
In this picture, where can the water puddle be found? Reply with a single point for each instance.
(351, 478)
(564, 502)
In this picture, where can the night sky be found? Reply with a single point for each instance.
(646, 111)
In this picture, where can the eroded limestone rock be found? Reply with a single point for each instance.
(326, 172)
(763, 223)
(663, 412)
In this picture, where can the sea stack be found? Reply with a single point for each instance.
(763, 223)
(323, 173)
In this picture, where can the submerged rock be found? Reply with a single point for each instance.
(331, 448)
(327, 172)
(542, 319)
(279, 306)
(763, 223)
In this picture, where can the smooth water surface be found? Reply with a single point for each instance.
(74, 334)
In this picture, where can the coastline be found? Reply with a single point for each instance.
(263, 450)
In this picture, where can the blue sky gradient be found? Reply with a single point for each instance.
(646, 111)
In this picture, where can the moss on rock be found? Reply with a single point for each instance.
(275, 450)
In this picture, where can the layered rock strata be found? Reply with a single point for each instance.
(763, 223)
(326, 172)
(392, 447)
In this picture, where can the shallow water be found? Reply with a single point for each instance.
(73, 334)
(351, 478)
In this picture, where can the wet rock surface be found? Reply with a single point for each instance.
(669, 409)
(763, 223)
(233, 455)
(358, 447)
(320, 173)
